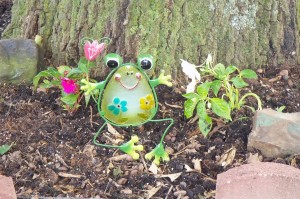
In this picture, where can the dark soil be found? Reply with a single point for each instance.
(49, 144)
(53, 154)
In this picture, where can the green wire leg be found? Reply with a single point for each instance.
(159, 152)
(129, 147)
(167, 129)
(97, 135)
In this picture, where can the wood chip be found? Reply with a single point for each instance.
(69, 175)
(197, 165)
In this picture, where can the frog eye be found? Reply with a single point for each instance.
(113, 60)
(145, 62)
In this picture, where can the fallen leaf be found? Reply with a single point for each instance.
(228, 157)
(152, 192)
(153, 168)
(188, 168)
(172, 176)
(69, 175)
(253, 158)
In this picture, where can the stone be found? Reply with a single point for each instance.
(275, 134)
(7, 189)
(19, 60)
(259, 181)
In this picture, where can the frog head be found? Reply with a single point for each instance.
(129, 75)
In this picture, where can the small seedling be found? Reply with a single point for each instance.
(220, 94)
(5, 148)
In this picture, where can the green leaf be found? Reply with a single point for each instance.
(205, 125)
(189, 107)
(50, 72)
(87, 99)
(4, 148)
(206, 85)
(202, 91)
(70, 99)
(201, 109)
(83, 68)
(249, 74)
(91, 65)
(220, 71)
(63, 69)
(230, 69)
(75, 73)
(221, 108)
(191, 95)
(83, 60)
(215, 86)
(239, 82)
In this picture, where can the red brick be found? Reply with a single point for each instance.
(7, 189)
(259, 181)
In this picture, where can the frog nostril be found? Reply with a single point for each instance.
(138, 75)
(117, 77)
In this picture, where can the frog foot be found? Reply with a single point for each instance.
(158, 152)
(88, 87)
(131, 149)
(164, 79)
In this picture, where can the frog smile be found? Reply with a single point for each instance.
(137, 75)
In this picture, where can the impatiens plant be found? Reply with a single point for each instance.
(68, 79)
(219, 94)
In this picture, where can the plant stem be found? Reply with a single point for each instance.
(253, 95)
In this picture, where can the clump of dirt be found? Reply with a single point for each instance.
(53, 154)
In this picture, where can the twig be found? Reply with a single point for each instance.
(91, 117)
(169, 191)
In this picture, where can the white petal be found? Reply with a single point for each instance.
(190, 70)
(191, 87)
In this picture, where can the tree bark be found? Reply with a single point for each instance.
(245, 33)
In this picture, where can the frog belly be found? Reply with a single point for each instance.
(121, 106)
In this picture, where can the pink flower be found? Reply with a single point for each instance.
(92, 50)
(69, 85)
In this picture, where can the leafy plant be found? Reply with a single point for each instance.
(280, 109)
(220, 94)
(5, 148)
(68, 79)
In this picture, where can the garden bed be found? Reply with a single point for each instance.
(53, 154)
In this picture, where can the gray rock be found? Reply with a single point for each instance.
(275, 134)
(18, 60)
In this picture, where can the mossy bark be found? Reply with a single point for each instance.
(246, 33)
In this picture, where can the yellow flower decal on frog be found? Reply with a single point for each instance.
(147, 103)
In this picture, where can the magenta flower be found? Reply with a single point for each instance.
(69, 85)
(93, 50)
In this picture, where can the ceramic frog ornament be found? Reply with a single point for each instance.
(127, 98)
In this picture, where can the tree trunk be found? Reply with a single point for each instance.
(245, 33)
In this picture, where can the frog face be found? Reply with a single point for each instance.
(128, 98)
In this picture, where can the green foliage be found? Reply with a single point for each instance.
(219, 95)
(5, 148)
(52, 77)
